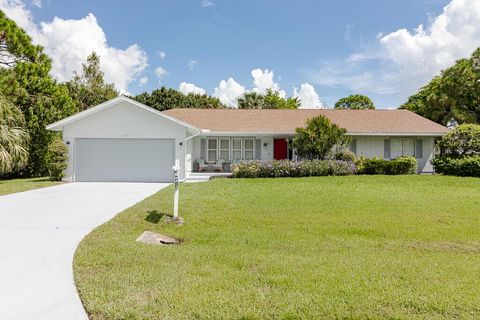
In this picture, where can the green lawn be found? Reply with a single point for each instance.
(358, 247)
(19, 185)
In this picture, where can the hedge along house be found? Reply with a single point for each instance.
(124, 140)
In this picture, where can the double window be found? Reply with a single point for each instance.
(230, 149)
(403, 147)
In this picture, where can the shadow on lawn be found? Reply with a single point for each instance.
(154, 216)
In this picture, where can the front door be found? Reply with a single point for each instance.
(280, 149)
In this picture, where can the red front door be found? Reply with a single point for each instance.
(280, 149)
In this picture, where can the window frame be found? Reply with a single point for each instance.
(211, 149)
(220, 149)
(245, 150)
(402, 146)
(233, 149)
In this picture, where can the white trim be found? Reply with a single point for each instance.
(397, 134)
(369, 134)
(57, 126)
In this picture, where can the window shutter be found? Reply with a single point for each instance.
(258, 149)
(203, 148)
(419, 149)
(387, 154)
(353, 146)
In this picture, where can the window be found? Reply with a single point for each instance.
(249, 149)
(237, 148)
(403, 147)
(212, 149)
(225, 149)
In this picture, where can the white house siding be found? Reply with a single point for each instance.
(124, 121)
(370, 147)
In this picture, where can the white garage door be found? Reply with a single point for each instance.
(126, 160)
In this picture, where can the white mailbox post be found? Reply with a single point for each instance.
(176, 173)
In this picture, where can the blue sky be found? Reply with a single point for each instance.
(338, 47)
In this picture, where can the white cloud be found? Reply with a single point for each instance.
(161, 72)
(187, 88)
(263, 80)
(206, 3)
(402, 61)
(69, 41)
(143, 80)
(162, 54)
(192, 64)
(229, 91)
(308, 96)
(37, 3)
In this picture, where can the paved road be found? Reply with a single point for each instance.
(39, 232)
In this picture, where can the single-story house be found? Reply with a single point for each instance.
(124, 140)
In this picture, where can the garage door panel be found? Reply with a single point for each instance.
(135, 160)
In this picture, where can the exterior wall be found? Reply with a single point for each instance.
(370, 147)
(124, 121)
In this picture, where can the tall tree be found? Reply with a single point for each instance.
(167, 98)
(251, 100)
(270, 100)
(13, 138)
(355, 101)
(454, 94)
(89, 88)
(26, 82)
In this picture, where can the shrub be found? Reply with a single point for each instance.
(345, 155)
(463, 167)
(57, 158)
(398, 166)
(317, 139)
(464, 140)
(287, 168)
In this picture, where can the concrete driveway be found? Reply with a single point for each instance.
(39, 232)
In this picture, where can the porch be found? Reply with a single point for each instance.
(217, 154)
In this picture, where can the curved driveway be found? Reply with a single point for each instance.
(39, 232)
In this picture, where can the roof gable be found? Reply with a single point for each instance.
(57, 126)
(378, 122)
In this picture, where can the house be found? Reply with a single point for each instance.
(124, 140)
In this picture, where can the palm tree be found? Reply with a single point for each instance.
(13, 138)
(251, 100)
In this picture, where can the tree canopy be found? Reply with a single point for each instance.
(89, 88)
(454, 94)
(13, 138)
(26, 83)
(270, 100)
(167, 98)
(462, 141)
(355, 101)
(317, 139)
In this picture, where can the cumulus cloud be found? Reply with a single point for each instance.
(187, 88)
(400, 62)
(69, 41)
(229, 91)
(308, 96)
(161, 72)
(263, 80)
(192, 64)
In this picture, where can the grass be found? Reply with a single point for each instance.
(19, 185)
(358, 247)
